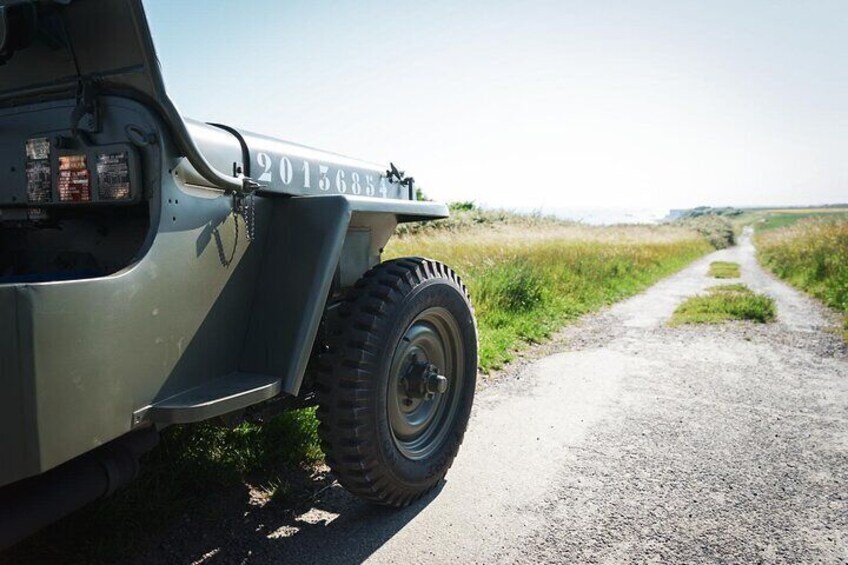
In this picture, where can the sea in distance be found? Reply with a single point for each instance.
(603, 216)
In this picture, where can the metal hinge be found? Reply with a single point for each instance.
(86, 114)
(399, 177)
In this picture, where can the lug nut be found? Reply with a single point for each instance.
(437, 383)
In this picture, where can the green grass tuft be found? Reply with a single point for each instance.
(724, 303)
(512, 288)
(736, 287)
(724, 270)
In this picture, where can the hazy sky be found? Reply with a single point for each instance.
(529, 104)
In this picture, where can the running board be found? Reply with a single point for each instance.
(216, 398)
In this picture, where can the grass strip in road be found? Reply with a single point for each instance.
(812, 255)
(724, 270)
(725, 303)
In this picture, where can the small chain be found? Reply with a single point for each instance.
(251, 222)
(245, 207)
(236, 212)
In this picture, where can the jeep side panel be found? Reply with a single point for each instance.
(175, 308)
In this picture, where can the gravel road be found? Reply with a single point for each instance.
(623, 441)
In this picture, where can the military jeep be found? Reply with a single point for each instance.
(156, 270)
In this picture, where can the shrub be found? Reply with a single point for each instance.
(716, 229)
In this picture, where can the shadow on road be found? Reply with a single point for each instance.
(229, 526)
(336, 528)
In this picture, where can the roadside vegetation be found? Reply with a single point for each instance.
(811, 254)
(724, 270)
(724, 303)
(530, 275)
(467, 215)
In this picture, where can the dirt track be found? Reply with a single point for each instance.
(632, 441)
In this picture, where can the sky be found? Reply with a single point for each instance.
(535, 105)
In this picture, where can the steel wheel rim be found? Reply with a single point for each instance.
(420, 425)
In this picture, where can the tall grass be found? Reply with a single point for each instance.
(811, 254)
(467, 215)
(526, 283)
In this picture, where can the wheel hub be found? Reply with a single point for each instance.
(423, 381)
(424, 378)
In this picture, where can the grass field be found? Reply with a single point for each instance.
(784, 218)
(724, 270)
(811, 254)
(724, 303)
(776, 218)
(526, 283)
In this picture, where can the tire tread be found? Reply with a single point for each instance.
(347, 373)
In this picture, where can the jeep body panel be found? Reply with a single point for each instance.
(218, 309)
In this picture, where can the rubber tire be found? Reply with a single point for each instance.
(352, 381)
